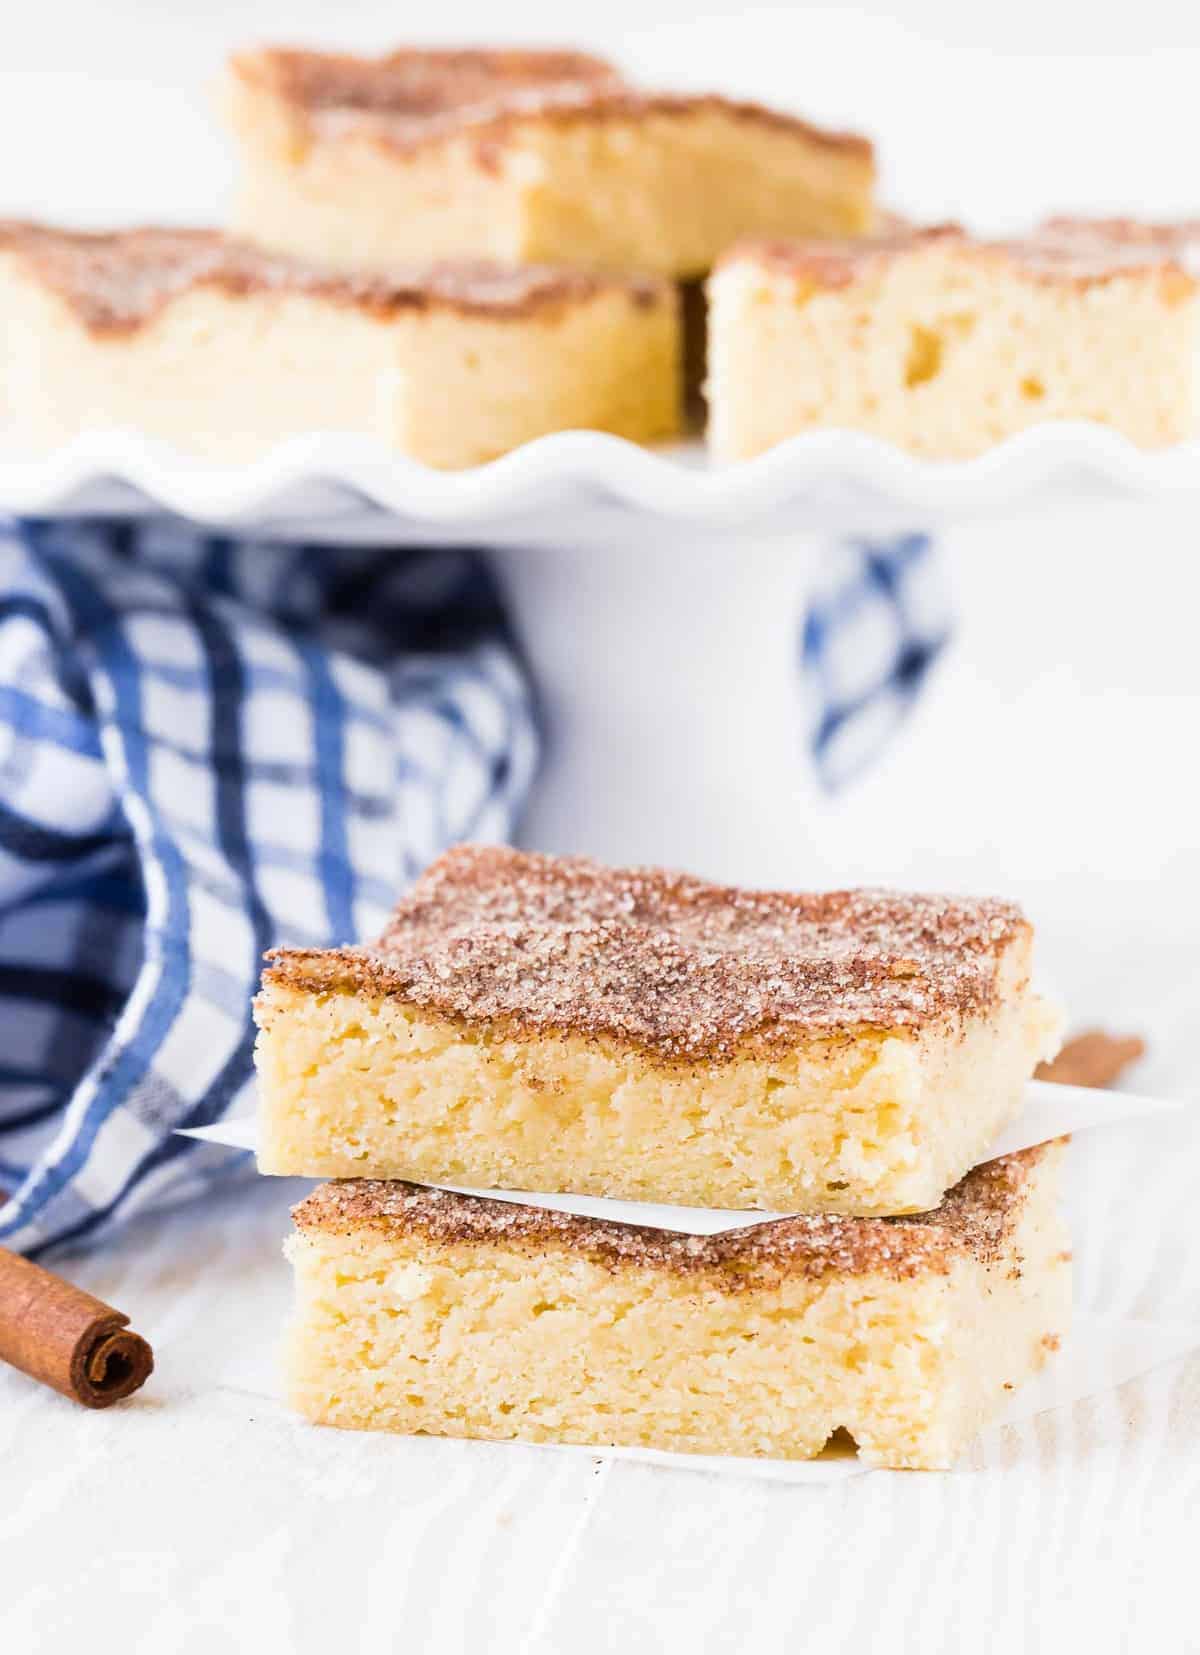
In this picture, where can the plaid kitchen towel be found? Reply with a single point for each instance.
(877, 620)
(207, 749)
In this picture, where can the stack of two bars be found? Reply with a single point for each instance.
(528, 1023)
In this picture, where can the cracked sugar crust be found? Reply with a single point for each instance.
(118, 280)
(411, 97)
(974, 1220)
(686, 970)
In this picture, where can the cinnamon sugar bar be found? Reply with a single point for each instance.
(945, 345)
(534, 1023)
(422, 1310)
(521, 156)
(215, 347)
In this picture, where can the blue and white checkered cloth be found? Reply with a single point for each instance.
(878, 618)
(209, 748)
(206, 750)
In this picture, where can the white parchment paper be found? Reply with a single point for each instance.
(1050, 1111)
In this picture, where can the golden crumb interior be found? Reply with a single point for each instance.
(877, 1122)
(663, 191)
(446, 387)
(471, 390)
(945, 352)
(668, 192)
(395, 1330)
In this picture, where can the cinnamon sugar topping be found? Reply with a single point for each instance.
(974, 1220)
(422, 85)
(1082, 251)
(118, 280)
(838, 262)
(1172, 234)
(412, 97)
(681, 968)
(1087, 251)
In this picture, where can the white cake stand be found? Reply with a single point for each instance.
(659, 601)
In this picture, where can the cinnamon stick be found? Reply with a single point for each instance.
(64, 1337)
(1093, 1058)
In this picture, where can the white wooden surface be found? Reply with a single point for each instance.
(200, 1516)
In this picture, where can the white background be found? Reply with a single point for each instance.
(992, 111)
